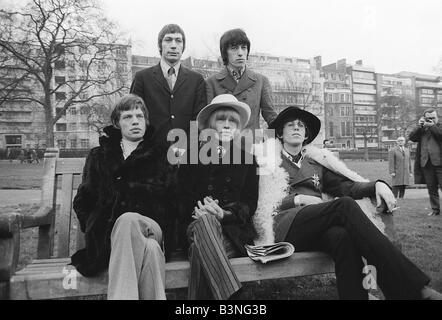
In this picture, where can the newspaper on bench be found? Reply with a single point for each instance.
(270, 252)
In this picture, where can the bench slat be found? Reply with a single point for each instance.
(64, 217)
(47, 282)
(70, 165)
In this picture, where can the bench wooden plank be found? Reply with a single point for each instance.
(47, 282)
(64, 217)
(70, 165)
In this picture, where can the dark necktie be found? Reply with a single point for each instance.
(170, 74)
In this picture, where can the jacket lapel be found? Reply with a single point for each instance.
(159, 77)
(247, 80)
(226, 81)
(182, 76)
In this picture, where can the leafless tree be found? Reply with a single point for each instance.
(59, 53)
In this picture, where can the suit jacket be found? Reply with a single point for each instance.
(400, 165)
(253, 89)
(170, 109)
(416, 136)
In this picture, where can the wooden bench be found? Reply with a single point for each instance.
(49, 276)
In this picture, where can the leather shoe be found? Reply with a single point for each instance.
(434, 213)
(428, 293)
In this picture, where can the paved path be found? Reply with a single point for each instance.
(12, 197)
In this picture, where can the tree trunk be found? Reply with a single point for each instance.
(49, 120)
(365, 149)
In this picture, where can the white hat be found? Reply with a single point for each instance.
(224, 100)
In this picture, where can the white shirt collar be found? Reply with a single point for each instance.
(290, 157)
(165, 67)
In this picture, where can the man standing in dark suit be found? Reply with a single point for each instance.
(236, 79)
(428, 162)
(172, 93)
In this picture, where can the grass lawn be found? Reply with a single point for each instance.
(16, 175)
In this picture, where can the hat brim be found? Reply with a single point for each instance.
(242, 108)
(313, 123)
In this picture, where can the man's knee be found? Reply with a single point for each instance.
(128, 218)
(347, 202)
(153, 246)
(337, 235)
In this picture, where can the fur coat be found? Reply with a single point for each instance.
(274, 185)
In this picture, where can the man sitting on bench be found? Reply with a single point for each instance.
(122, 206)
(339, 227)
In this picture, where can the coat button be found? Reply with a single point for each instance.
(118, 178)
(210, 187)
(228, 179)
(172, 116)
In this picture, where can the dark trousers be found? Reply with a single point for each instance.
(433, 179)
(211, 274)
(399, 191)
(341, 229)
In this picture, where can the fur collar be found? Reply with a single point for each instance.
(274, 185)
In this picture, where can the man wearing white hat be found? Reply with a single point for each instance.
(221, 197)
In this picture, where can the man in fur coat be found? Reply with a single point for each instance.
(291, 208)
(122, 206)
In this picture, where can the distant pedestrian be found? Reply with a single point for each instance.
(428, 163)
(9, 154)
(22, 155)
(399, 167)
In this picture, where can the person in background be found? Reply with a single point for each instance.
(428, 162)
(399, 167)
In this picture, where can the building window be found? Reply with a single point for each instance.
(73, 111)
(74, 143)
(61, 144)
(60, 111)
(13, 140)
(331, 128)
(60, 96)
(330, 111)
(346, 129)
(60, 127)
(59, 64)
(72, 126)
(59, 79)
(84, 143)
(83, 110)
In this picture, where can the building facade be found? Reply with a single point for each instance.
(364, 100)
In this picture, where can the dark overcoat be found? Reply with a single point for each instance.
(234, 185)
(143, 183)
(399, 163)
(170, 109)
(416, 136)
(253, 89)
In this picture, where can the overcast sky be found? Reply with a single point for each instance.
(390, 35)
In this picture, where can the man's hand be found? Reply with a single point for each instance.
(384, 192)
(210, 206)
(421, 121)
(305, 200)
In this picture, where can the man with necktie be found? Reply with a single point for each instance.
(173, 94)
(399, 167)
